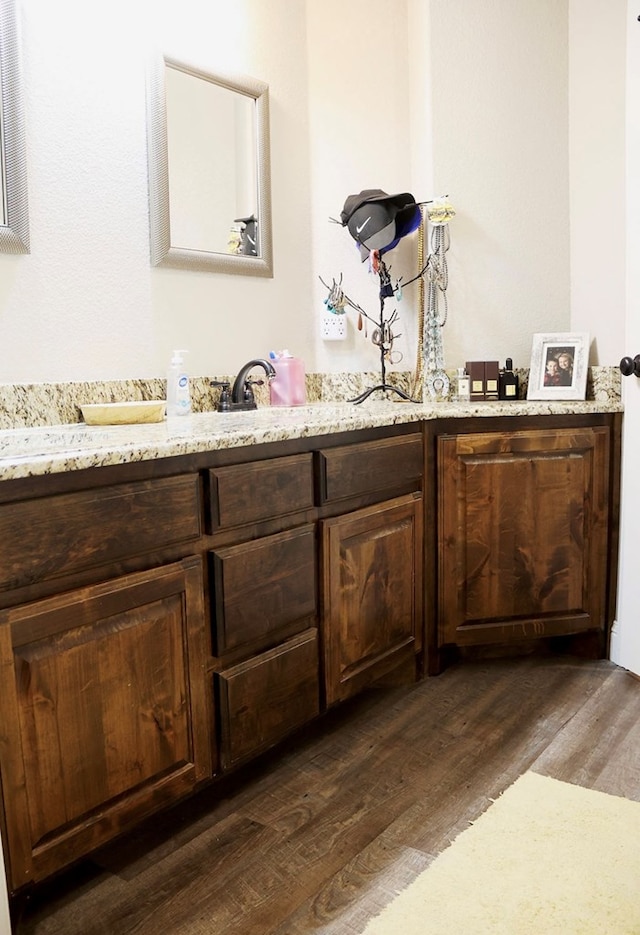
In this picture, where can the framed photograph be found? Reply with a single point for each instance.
(559, 364)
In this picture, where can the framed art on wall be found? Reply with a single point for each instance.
(559, 364)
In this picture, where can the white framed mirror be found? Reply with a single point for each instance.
(14, 208)
(209, 170)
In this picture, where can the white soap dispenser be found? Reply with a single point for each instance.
(178, 389)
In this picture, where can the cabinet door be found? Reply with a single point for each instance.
(523, 520)
(372, 593)
(105, 712)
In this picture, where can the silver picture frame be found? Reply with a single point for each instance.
(559, 365)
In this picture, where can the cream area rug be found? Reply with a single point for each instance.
(547, 857)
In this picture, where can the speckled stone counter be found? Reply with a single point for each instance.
(27, 405)
(55, 449)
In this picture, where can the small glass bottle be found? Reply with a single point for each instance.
(462, 386)
(508, 382)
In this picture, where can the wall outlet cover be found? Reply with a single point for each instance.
(334, 327)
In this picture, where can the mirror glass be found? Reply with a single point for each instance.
(209, 171)
(14, 216)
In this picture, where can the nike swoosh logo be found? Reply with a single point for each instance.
(362, 226)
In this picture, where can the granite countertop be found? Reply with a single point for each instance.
(28, 452)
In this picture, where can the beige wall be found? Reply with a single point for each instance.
(464, 98)
(86, 304)
(500, 142)
(597, 150)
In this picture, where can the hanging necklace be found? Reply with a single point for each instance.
(436, 273)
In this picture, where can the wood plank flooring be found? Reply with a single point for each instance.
(318, 836)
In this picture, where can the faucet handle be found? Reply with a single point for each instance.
(247, 393)
(224, 402)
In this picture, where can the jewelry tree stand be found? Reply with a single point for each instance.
(382, 335)
(384, 341)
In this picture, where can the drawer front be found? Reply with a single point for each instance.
(368, 467)
(268, 696)
(250, 493)
(54, 536)
(263, 586)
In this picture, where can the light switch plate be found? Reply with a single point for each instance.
(334, 327)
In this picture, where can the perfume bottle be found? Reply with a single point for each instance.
(508, 383)
(462, 386)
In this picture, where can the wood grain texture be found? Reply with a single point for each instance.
(249, 493)
(319, 837)
(262, 586)
(105, 682)
(71, 532)
(372, 593)
(523, 529)
(365, 467)
(268, 696)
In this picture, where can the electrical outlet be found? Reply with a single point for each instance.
(334, 327)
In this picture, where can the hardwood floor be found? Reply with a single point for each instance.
(317, 837)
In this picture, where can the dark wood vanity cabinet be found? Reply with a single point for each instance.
(525, 524)
(162, 623)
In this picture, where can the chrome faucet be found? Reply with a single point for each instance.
(242, 393)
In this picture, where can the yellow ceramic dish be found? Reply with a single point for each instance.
(124, 413)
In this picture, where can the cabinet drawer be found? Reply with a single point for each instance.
(268, 696)
(250, 493)
(54, 536)
(261, 587)
(368, 467)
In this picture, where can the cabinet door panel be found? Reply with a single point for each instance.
(108, 689)
(372, 590)
(523, 534)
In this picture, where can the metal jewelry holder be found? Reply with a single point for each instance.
(384, 341)
(383, 336)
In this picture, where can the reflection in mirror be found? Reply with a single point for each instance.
(14, 216)
(209, 171)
